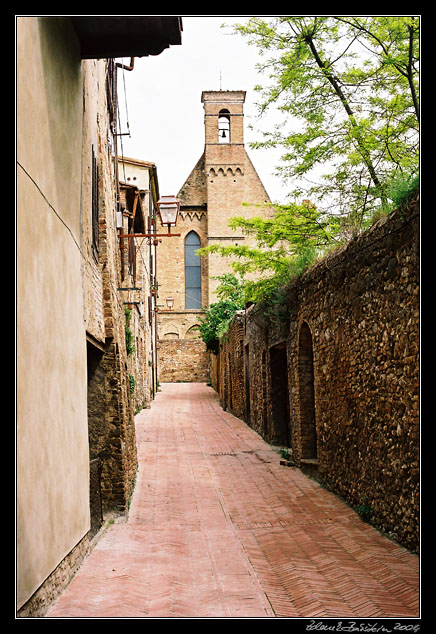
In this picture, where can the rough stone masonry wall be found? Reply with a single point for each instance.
(182, 360)
(233, 396)
(355, 316)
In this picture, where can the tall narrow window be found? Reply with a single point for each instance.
(224, 126)
(192, 271)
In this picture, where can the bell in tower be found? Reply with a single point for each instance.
(224, 126)
(223, 118)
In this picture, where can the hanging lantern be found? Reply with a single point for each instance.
(168, 210)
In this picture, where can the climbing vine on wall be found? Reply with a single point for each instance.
(130, 346)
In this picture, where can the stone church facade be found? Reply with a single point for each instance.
(223, 184)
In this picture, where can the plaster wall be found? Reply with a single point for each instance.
(53, 481)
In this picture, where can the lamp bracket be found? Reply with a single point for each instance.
(150, 235)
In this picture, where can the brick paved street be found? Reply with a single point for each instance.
(217, 528)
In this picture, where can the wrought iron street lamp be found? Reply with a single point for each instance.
(168, 210)
(168, 207)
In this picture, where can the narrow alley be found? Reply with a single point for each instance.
(218, 528)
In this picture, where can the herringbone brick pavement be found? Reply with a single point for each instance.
(217, 528)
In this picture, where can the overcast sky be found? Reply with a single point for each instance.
(164, 109)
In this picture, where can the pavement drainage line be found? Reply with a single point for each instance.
(257, 586)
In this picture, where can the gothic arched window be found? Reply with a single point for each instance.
(192, 271)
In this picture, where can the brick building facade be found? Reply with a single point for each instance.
(223, 184)
(137, 218)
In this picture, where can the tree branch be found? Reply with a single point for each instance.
(338, 90)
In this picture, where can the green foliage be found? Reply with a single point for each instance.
(131, 383)
(285, 245)
(219, 314)
(130, 346)
(364, 509)
(347, 87)
(230, 288)
(286, 453)
(401, 190)
(270, 290)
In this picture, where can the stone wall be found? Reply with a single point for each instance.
(112, 430)
(231, 369)
(183, 360)
(348, 345)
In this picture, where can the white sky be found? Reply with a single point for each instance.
(164, 106)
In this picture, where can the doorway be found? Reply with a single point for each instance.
(279, 396)
(96, 418)
(265, 429)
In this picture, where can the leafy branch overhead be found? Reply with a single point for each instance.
(348, 90)
(282, 246)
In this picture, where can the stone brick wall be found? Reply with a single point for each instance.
(116, 445)
(183, 360)
(171, 260)
(350, 339)
(232, 391)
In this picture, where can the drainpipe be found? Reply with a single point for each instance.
(118, 65)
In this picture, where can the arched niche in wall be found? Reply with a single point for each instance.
(192, 333)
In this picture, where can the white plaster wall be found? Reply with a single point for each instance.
(52, 437)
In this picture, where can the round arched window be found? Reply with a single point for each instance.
(224, 126)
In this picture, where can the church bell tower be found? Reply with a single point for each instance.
(223, 116)
(231, 178)
(222, 184)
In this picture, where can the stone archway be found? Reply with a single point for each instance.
(279, 396)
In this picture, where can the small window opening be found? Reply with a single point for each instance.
(224, 126)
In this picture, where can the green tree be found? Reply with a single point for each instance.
(284, 246)
(218, 316)
(347, 88)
